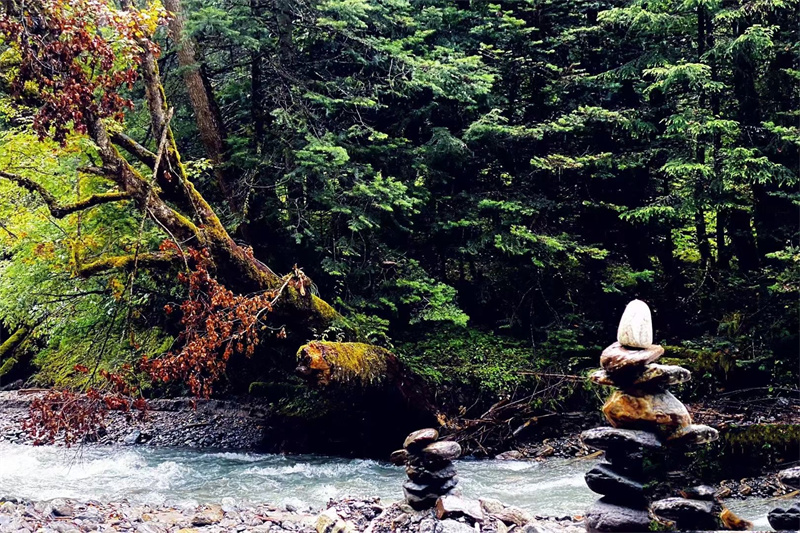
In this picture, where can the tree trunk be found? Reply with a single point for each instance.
(209, 123)
(723, 254)
(743, 240)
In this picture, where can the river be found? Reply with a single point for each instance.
(188, 477)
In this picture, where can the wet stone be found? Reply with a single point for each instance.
(607, 516)
(398, 457)
(642, 465)
(419, 503)
(688, 514)
(785, 519)
(445, 450)
(422, 490)
(421, 438)
(604, 479)
(618, 359)
(419, 474)
(701, 492)
(790, 477)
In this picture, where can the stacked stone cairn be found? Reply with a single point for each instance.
(646, 421)
(787, 518)
(429, 466)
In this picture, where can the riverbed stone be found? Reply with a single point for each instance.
(505, 513)
(785, 519)
(604, 479)
(605, 515)
(454, 526)
(790, 477)
(208, 516)
(619, 359)
(451, 506)
(606, 438)
(701, 492)
(662, 413)
(636, 325)
(693, 434)
(420, 438)
(688, 514)
(654, 376)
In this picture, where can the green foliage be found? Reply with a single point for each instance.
(472, 359)
(517, 167)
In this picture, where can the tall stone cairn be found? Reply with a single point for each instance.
(646, 419)
(787, 518)
(429, 466)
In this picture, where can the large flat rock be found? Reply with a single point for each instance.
(607, 516)
(661, 413)
(606, 438)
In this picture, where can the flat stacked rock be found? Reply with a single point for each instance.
(645, 417)
(699, 508)
(429, 466)
(787, 518)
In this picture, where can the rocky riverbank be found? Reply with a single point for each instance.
(342, 516)
(244, 425)
(182, 422)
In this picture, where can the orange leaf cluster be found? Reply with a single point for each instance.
(216, 324)
(75, 56)
(72, 416)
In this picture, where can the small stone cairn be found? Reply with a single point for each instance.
(787, 518)
(429, 466)
(647, 419)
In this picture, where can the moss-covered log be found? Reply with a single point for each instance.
(352, 363)
(364, 366)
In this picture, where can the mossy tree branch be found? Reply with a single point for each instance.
(57, 209)
(9, 346)
(122, 262)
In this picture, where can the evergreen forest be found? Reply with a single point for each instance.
(314, 202)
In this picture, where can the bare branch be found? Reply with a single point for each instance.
(61, 210)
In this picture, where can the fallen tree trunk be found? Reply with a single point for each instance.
(362, 366)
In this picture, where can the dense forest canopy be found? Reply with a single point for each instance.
(476, 187)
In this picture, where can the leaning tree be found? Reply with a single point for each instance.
(74, 62)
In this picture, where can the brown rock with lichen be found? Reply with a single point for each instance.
(660, 413)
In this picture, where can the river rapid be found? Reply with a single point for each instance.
(184, 477)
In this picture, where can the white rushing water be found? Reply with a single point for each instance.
(188, 477)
